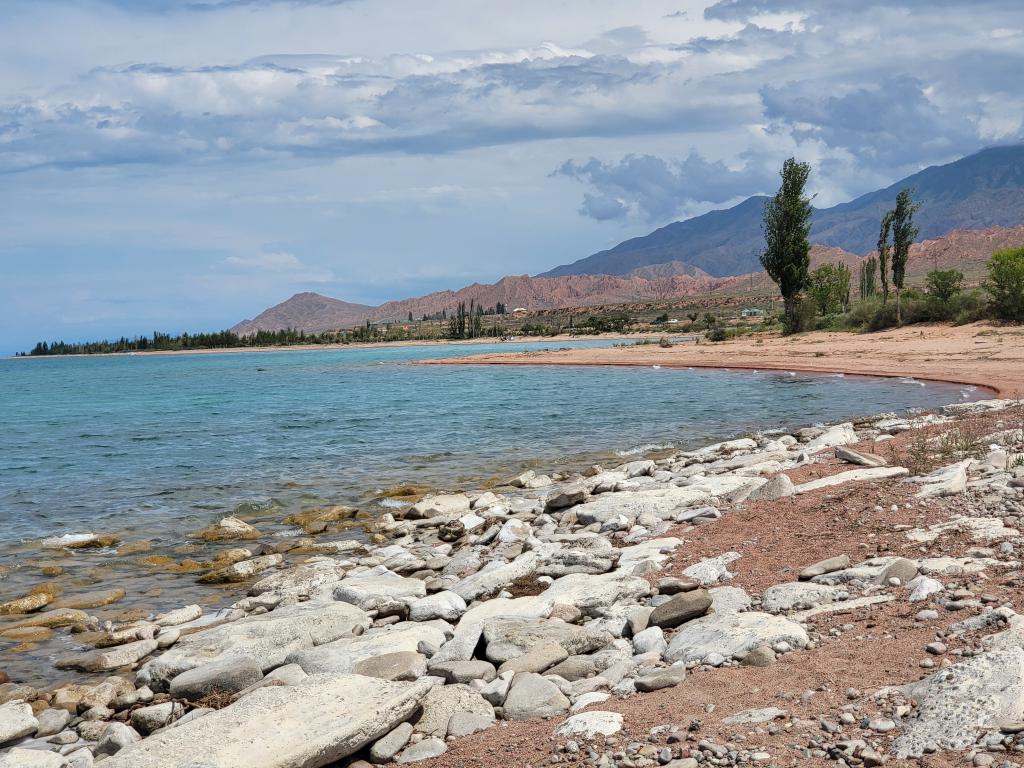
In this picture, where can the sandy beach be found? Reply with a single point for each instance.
(979, 354)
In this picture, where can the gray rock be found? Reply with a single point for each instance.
(956, 705)
(798, 594)
(80, 758)
(16, 722)
(596, 596)
(442, 605)
(444, 701)
(762, 656)
(465, 724)
(661, 678)
(495, 576)
(510, 638)
(778, 487)
(148, 719)
(671, 585)
(681, 608)
(464, 671)
(838, 563)
(108, 658)
(226, 675)
(901, 568)
(442, 505)
(422, 750)
(31, 758)
(342, 656)
(650, 640)
(322, 720)
(178, 616)
(267, 639)
(712, 570)
(537, 659)
(575, 668)
(401, 665)
(116, 737)
(463, 643)
(588, 725)
(755, 716)
(496, 690)
(863, 458)
(370, 590)
(384, 750)
(52, 721)
(532, 696)
(566, 497)
(732, 635)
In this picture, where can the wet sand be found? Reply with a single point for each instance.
(980, 354)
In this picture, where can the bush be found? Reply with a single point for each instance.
(943, 284)
(717, 334)
(1006, 284)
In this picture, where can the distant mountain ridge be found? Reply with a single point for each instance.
(983, 190)
(967, 250)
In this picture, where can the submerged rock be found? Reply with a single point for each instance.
(229, 528)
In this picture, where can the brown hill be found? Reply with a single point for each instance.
(533, 293)
(966, 250)
(308, 312)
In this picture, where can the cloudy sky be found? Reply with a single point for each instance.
(182, 164)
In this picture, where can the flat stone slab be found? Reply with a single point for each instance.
(780, 598)
(366, 591)
(315, 723)
(732, 635)
(590, 724)
(343, 656)
(957, 704)
(595, 595)
(947, 481)
(853, 475)
(267, 639)
(511, 638)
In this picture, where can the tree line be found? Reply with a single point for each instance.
(826, 290)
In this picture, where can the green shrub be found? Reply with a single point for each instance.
(943, 284)
(717, 334)
(1006, 284)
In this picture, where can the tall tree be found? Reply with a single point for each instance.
(904, 230)
(787, 227)
(883, 254)
(868, 278)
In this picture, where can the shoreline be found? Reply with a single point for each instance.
(424, 583)
(355, 345)
(953, 355)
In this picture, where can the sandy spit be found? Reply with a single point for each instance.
(979, 354)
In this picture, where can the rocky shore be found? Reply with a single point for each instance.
(844, 595)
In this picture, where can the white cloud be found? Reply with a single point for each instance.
(287, 266)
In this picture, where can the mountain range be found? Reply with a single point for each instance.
(983, 190)
(971, 207)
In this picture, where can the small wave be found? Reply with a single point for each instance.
(391, 503)
(644, 449)
(656, 367)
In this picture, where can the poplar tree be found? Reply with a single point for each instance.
(787, 227)
(883, 254)
(904, 231)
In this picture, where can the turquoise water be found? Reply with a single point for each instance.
(161, 445)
